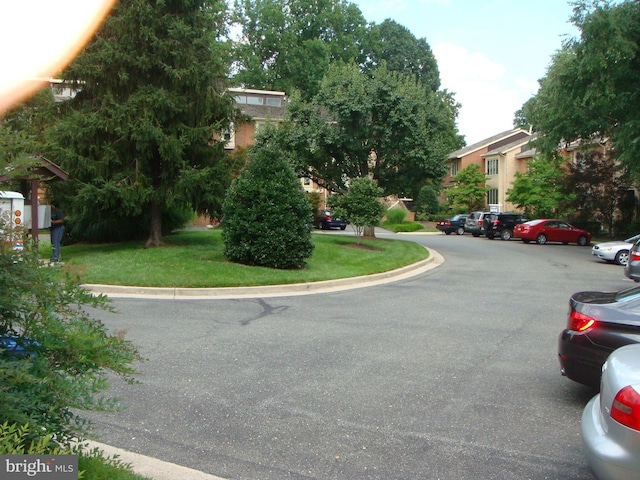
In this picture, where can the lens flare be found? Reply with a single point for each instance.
(39, 38)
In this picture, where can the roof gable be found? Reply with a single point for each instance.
(491, 143)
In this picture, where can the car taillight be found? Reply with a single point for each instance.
(579, 322)
(635, 255)
(626, 408)
(447, 223)
(496, 222)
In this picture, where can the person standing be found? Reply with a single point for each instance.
(57, 229)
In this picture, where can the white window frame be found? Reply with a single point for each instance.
(492, 166)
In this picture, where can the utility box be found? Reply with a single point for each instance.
(12, 219)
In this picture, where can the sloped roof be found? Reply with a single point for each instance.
(486, 143)
(45, 169)
(520, 143)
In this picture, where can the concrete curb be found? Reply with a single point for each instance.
(117, 291)
(152, 467)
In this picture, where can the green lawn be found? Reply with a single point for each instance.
(194, 258)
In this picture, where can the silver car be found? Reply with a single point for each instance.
(611, 419)
(632, 268)
(615, 252)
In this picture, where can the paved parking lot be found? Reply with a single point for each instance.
(448, 375)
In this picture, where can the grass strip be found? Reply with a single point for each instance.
(194, 258)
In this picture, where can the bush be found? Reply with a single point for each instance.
(69, 354)
(403, 227)
(360, 206)
(396, 215)
(267, 215)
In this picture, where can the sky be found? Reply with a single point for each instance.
(490, 53)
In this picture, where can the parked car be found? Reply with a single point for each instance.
(325, 221)
(12, 346)
(474, 223)
(547, 230)
(611, 420)
(597, 324)
(502, 224)
(632, 268)
(615, 252)
(453, 224)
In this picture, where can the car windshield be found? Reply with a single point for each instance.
(534, 222)
(633, 239)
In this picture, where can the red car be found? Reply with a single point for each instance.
(545, 230)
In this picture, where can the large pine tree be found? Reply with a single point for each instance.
(139, 138)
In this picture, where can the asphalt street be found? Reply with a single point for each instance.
(450, 374)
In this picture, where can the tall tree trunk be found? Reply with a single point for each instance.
(155, 229)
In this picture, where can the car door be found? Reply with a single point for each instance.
(550, 229)
(566, 233)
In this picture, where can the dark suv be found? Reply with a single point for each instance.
(501, 224)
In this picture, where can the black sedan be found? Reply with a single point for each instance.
(325, 220)
(453, 224)
(597, 324)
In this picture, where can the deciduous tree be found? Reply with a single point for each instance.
(469, 192)
(592, 88)
(598, 186)
(288, 44)
(540, 191)
(387, 126)
(360, 206)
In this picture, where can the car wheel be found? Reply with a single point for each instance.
(582, 240)
(460, 231)
(343, 227)
(622, 257)
(506, 234)
(541, 239)
(448, 232)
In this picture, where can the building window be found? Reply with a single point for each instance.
(492, 166)
(274, 102)
(492, 196)
(454, 168)
(229, 138)
(259, 127)
(255, 101)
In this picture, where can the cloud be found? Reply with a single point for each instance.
(485, 89)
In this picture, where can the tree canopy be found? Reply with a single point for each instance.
(592, 88)
(138, 137)
(540, 190)
(402, 51)
(386, 125)
(469, 192)
(360, 206)
(288, 44)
